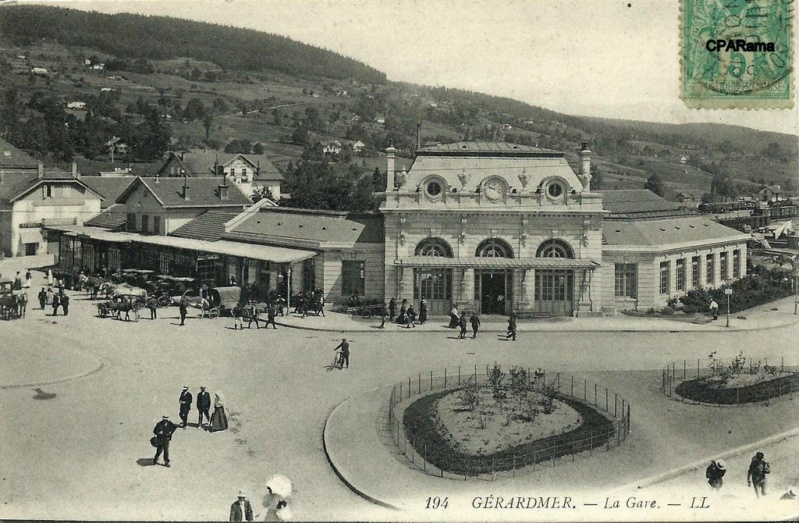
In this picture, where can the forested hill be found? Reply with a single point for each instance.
(231, 48)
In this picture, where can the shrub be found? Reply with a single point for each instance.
(762, 286)
(470, 395)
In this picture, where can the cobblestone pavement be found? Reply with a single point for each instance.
(79, 396)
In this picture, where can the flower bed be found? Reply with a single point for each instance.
(581, 428)
(744, 388)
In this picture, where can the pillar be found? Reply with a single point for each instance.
(405, 284)
(465, 278)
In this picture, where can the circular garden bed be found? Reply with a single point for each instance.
(743, 388)
(500, 436)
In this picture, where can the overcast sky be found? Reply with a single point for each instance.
(609, 58)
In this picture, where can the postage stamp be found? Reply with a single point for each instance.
(737, 54)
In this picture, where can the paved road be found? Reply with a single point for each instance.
(79, 449)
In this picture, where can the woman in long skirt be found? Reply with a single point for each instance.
(218, 418)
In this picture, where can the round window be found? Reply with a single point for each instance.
(555, 189)
(433, 189)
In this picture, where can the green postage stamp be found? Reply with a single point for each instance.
(737, 54)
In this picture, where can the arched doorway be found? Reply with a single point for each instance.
(554, 288)
(493, 287)
(433, 284)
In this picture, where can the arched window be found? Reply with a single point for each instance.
(494, 248)
(554, 249)
(434, 247)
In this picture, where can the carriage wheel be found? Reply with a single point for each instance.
(164, 300)
(213, 313)
(366, 314)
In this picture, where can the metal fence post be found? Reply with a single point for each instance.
(400, 390)
(684, 369)
(606, 400)
(595, 393)
(409, 386)
(557, 380)
(615, 405)
(445, 378)
(697, 368)
(419, 384)
(585, 390)
(459, 374)
(431, 380)
(572, 390)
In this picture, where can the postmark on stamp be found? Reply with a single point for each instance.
(737, 54)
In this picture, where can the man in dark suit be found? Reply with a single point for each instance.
(163, 435)
(241, 510)
(203, 406)
(185, 405)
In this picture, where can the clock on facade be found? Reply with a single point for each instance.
(493, 189)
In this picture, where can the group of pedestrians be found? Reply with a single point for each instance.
(164, 429)
(276, 503)
(756, 475)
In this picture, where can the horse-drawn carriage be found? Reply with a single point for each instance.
(220, 301)
(11, 301)
(168, 290)
(122, 303)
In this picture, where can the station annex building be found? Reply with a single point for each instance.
(490, 227)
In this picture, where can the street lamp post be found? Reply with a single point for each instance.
(728, 292)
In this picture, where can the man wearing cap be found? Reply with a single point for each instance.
(185, 405)
(756, 475)
(715, 472)
(241, 510)
(203, 406)
(163, 435)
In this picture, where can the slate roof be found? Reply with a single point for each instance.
(635, 201)
(11, 158)
(666, 233)
(202, 163)
(113, 218)
(203, 192)
(280, 225)
(492, 148)
(110, 188)
(209, 226)
(13, 185)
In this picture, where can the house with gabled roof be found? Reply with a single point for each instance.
(33, 199)
(160, 205)
(251, 172)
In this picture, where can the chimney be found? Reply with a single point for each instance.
(75, 170)
(41, 170)
(418, 135)
(182, 155)
(186, 188)
(223, 192)
(585, 166)
(390, 155)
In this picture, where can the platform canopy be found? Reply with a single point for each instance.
(242, 250)
(496, 263)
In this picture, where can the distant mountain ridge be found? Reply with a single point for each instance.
(231, 48)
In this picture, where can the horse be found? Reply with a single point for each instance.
(126, 305)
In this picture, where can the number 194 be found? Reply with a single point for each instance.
(437, 502)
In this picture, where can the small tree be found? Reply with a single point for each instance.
(495, 377)
(470, 395)
(654, 184)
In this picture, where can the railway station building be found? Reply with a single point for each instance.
(489, 227)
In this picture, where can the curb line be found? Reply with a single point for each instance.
(338, 473)
(647, 482)
(60, 380)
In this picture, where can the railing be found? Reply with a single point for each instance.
(601, 432)
(680, 375)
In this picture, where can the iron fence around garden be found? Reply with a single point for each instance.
(676, 376)
(599, 431)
